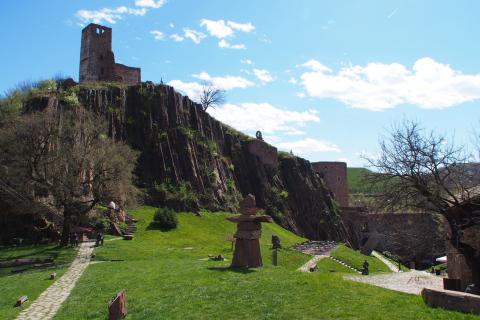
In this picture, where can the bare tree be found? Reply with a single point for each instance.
(65, 158)
(425, 171)
(212, 96)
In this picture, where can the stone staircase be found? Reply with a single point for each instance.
(131, 227)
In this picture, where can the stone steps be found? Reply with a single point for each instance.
(345, 264)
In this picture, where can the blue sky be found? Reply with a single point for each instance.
(322, 78)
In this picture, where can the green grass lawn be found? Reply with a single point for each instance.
(327, 265)
(166, 276)
(32, 281)
(355, 259)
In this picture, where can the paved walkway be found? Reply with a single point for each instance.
(389, 264)
(48, 303)
(410, 282)
(311, 263)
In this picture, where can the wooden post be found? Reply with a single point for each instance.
(117, 308)
(274, 257)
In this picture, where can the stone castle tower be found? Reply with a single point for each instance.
(97, 61)
(335, 176)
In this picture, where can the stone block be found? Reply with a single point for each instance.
(452, 300)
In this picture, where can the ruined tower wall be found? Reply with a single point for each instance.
(128, 75)
(97, 60)
(335, 176)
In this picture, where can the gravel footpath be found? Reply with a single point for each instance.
(409, 282)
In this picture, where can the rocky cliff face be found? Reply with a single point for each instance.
(189, 160)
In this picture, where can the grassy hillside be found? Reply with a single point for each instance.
(356, 184)
(166, 276)
(355, 259)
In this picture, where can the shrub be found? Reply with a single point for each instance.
(123, 226)
(102, 224)
(166, 218)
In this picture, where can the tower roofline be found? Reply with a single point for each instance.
(95, 25)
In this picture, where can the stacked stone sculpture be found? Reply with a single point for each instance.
(249, 230)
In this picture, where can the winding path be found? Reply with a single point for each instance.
(48, 303)
(389, 264)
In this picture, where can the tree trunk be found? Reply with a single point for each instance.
(67, 226)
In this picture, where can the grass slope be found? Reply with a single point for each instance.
(355, 259)
(355, 179)
(33, 281)
(166, 277)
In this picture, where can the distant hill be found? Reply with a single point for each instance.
(356, 183)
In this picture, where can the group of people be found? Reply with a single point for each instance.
(74, 239)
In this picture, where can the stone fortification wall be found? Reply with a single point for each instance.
(416, 237)
(266, 153)
(335, 176)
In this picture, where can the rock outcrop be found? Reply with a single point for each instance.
(188, 160)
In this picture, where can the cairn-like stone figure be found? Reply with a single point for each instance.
(249, 230)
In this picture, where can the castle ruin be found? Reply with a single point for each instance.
(335, 176)
(97, 61)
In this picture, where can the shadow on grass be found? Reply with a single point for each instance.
(156, 226)
(243, 270)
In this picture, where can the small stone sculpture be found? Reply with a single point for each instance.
(276, 242)
(365, 268)
(249, 230)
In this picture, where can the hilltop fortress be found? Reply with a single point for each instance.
(97, 61)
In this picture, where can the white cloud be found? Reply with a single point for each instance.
(150, 3)
(107, 14)
(263, 75)
(244, 27)
(378, 86)
(250, 117)
(195, 36)
(246, 61)
(391, 14)
(308, 145)
(224, 44)
(292, 80)
(192, 89)
(315, 66)
(217, 28)
(158, 35)
(177, 38)
(224, 29)
(171, 25)
(226, 82)
(300, 94)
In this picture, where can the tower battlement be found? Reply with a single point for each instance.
(97, 60)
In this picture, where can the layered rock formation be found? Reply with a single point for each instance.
(188, 160)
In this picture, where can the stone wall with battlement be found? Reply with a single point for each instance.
(267, 154)
(416, 237)
(97, 60)
(335, 176)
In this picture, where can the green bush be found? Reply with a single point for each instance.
(102, 224)
(123, 226)
(166, 218)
